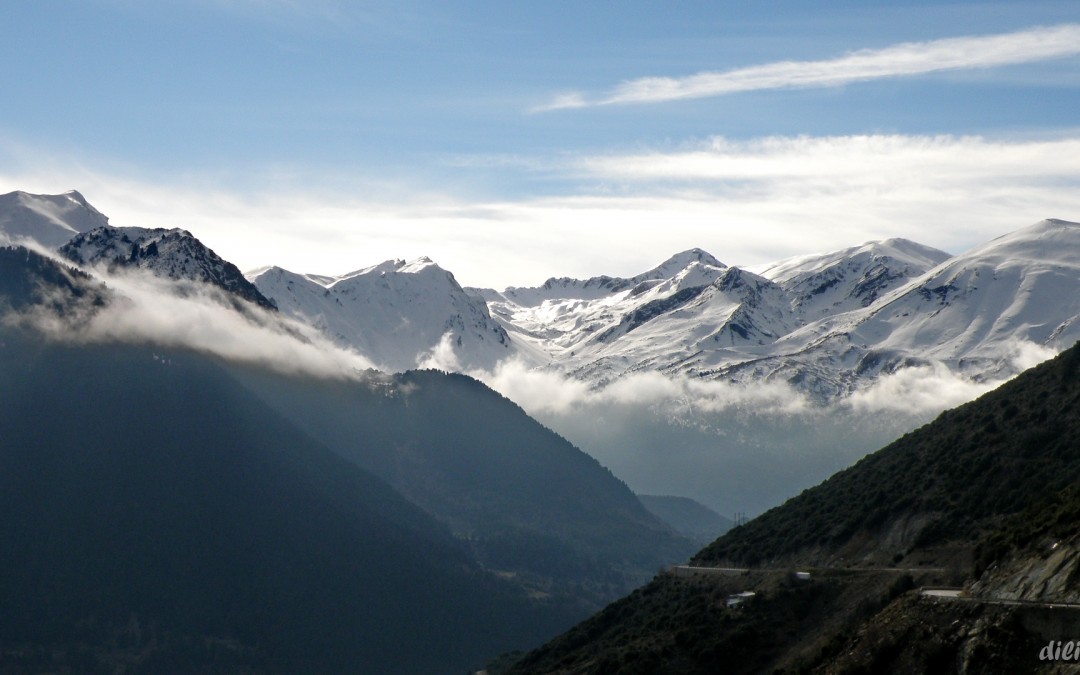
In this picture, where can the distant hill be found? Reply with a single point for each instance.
(528, 502)
(689, 518)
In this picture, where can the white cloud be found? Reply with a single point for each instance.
(868, 160)
(932, 388)
(149, 310)
(910, 58)
(442, 356)
(920, 389)
(550, 393)
(1024, 355)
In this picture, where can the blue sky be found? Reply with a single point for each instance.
(515, 141)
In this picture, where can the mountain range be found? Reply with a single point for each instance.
(169, 506)
(827, 325)
(889, 323)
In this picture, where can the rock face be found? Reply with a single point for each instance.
(1052, 578)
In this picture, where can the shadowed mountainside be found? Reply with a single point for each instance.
(529, 503)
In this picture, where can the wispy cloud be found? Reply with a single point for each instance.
(909, 58)
(858, 159)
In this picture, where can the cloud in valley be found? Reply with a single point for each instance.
(930, 389)
(735, 447)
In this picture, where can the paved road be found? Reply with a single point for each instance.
(690, 570)
(955, 594)
(942, 592)
(687, 570)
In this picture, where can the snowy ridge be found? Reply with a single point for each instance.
(597, 287)
(173, 254)
(398, 314)
(969, 310)
(851, 278)
(704, 315)
(48, 220)
(828, 324)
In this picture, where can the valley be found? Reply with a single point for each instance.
(299, 395)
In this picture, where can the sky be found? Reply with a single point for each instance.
(512, 142)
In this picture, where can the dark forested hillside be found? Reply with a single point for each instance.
(155, 515)
(28, 279)
(984, 497)
(948, 481)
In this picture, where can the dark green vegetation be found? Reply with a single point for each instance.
(977, 493)
(689, 518)
(30, 280)
(152, 490)
(158, 516)
(953, 480)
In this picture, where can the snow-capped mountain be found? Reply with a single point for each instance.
(48, 220)
(693, 313)
(398, 314)
(827, 324)
(970, 312)
(854, 277)
(565, 288)
(173, 254)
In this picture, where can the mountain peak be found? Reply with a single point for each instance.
(396, 313)
(420, 264)
(76, 196)
(679, 262)
(49, 220)
(174, 254)
(1058, 222)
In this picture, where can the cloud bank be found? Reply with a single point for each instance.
(145, 309)
(906, 59)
